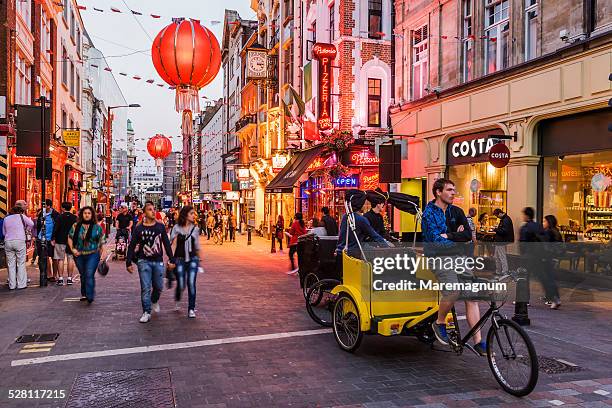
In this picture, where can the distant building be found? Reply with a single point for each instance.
(173, 165)
(131, 155)
(144, 182)
(211, 131)
(120, 175)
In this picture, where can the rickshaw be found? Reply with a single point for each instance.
(358, 308)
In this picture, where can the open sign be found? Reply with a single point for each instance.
(351, 181)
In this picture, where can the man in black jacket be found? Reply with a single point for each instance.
(375, 217)
(331, 226)
(59, 240)
(504, 234)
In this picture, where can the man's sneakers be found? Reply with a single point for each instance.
(440, 333)
(155, 307)
(191, 314)
(69, 281)
(83, 298)
(60, 282)
(145, 318)
(481, 348)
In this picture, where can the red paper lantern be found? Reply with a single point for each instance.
(159, 147)
(187, 56)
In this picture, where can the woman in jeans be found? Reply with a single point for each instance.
(187, 237)
(86, 241)
(15, 244)
(297, 229)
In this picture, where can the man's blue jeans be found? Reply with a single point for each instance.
(87, 266)
(151, 275)
(187, 271)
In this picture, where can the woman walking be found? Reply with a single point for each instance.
(186, 253)
(17, 230)
(86, 241)
(547, 275)
(297, 228)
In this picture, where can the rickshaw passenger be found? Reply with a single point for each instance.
(374, 215)
(443, 226)
(363, 229)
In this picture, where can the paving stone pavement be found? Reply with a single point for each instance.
(245, 291)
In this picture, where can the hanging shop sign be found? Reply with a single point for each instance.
(279, 161)
(247, 184)
(361, 156)
(325, 54)
(499, 155)
(207, 197)
(351, 181)
(24, 162)
(370, 182)
(243, 173)
(232, 195)
(72, 138)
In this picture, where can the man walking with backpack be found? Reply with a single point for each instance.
(152, 240)
(60, 242)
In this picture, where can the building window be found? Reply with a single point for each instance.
(375, 18)
(71, 79)
(45, 36)
(467, 42)
(24, 10)
(332, 22)
(497, 27)
(288, 65)
(65, 62)
(78, 91)
(531, 25)
(78, 41)
(64, 119)
(420, 68)
(374, 88)
(23, 81)
(66, 5)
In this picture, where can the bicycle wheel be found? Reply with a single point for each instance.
(347, 324)
(320, 301)
(309, 280)
(512, 358)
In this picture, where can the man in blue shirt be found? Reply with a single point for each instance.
(51, 218)
(443, 226)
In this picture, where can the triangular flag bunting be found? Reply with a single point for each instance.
(115, 10)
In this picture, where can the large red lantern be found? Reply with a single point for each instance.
(159, 147)
(187, 56)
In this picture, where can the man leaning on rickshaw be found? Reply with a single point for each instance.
(444, 225)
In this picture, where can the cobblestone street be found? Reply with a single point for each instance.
(253, 344)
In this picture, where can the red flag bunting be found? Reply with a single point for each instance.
(115, 10)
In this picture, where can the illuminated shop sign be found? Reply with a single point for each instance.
(370, 182)
(364, 158)
(325, 54)
(243, 173)
(351, 181)
(472, 148)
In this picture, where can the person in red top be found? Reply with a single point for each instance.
(297, 228)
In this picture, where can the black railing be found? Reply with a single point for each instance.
(245, 120)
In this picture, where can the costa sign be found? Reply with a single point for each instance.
(499, 155)
(473, 148)
(325, 54)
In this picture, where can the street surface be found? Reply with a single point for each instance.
(253, 344)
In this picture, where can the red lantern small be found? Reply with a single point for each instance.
(159, 147)
(187, 56)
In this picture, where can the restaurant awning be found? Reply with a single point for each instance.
(286, 178)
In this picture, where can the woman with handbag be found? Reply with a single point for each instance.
(86, 241)
(186, 234)
(17, 230)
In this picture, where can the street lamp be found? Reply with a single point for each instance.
(109, 155)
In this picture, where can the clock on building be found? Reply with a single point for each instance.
(257, 63)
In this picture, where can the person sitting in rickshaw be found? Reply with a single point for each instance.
(444, 225)
(363, 228)
(377, 199)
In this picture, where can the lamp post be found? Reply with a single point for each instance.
(109, 160)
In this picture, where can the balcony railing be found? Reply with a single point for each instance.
(245, 120)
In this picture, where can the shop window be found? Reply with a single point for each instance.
(480, 186)
(467, 42)
(578, 192)
(497, 27)
(420, 60)
(374, 93)
(374, 18)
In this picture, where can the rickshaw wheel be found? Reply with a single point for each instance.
(320, 301)
(309, 280)
(347, 324)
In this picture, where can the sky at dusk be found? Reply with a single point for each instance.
(118, 34)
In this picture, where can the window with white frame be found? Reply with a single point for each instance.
(531, 25)
(72, 25)
(374, 102)
(497, 27)
(65, 63)
(375, 18)
(45, 35)
(72, 79)
(332, 22)
(23, 81)
(78, 90)
(24, 9)
(467, 42)
(78, 41)
(420, 61)
(66, 7)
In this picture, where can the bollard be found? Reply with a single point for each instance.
(42, 263)
(273, 250)
(248, 235)
(521, 311)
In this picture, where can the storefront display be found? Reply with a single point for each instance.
(479, 184)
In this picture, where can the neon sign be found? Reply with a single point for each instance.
(370, 182)
(325, 54)
(363, 158)
(347, 181)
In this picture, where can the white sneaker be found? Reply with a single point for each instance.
(293, 272)
(191, 314)
(155, 307)
(145, 318)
